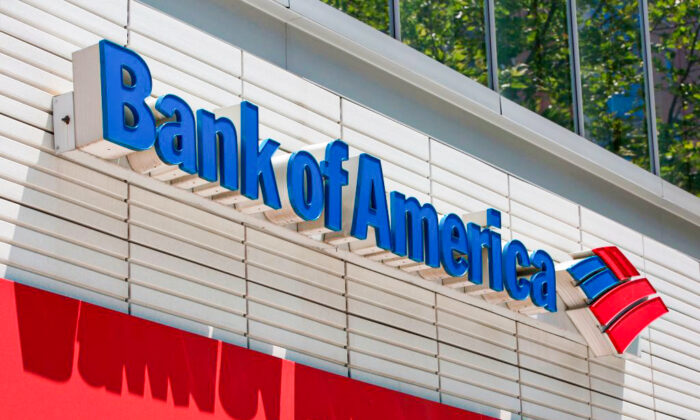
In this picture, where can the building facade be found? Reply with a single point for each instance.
(119, 228)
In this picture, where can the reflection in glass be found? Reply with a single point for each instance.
(450, 31)
(612, 77)
(375, 13)
(533, 56)
(675, 43)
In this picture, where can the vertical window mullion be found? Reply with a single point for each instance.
(394, 19)
(491, 54)
(649, 88)
(576, 89)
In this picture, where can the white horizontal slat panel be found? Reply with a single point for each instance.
(543, 220)
(627, 378)
(405, 339)
(477, 314)
(296, 342)
(547, 338)
(66, 289)
(468, 167)
(293, 269)
(297, 324)
(397, 385)
(385, 130)
(675, 370)
(113, 10)
(182, 37)
(465, 186)
(162, 53)
(462, 202)
(475, 361)
(25, 93)
(532, 410)
(38, 38)
(66, 272)
(193, 84)
(290, 87)
(30, 156)
(475, 329)
(390, 301)
(623, 393)
(187, 325)
(60, 188)
(33, 76)
(590, 241)
(570, 393)
(262, 96)
(293, 130)
(390, 285)
(675, 356)
(545, 235)
(26, 134)
(185, 250)
(619, 406)
(60, 249)
(26, 113)
(61, 208)
(296, 305)
(675, 410)
(298, 357)
(189, 309)
(477, 377)
(186, 289)
(396, 155)
(185, 213)
(391, 317)
(479, 394)
(63, 229)
(553, 370)
(294, 252)
(387, 351)
(393, 370)
(478, 407)
(680, 282)
(672, 259)
(185, 232)
(184, 269)
(544, 201)
(611, 231)
(554, 401)
(296, 287)
(470, 343)
(86, 20)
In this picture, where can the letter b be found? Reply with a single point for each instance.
(126, 119)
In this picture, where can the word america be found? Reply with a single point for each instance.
(200, 143)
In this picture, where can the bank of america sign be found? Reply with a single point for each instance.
(334, 193)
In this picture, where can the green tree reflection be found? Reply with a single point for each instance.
(375, 13)
(450, 31)
(533, 56)
(675, 38)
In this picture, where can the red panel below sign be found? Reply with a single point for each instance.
(62, 358)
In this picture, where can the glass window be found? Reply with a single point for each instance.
(375, 13)
(675, 42)
(450, 31)
(533, 56)
(612, 77)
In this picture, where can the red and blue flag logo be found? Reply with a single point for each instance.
(616, 295)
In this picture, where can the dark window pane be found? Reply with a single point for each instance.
(533, 56)
(675, 41)
(612, 77)
(450, 31)
(375, 13)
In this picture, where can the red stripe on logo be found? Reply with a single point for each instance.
(629, 325)
(617, 262)
(616, 300)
